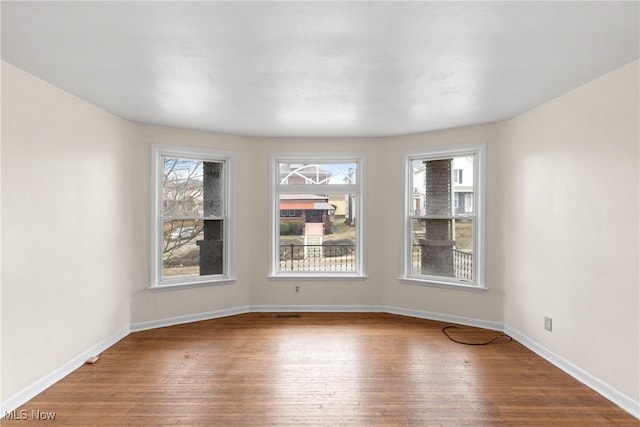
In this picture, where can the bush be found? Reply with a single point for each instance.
(285, 228)
(296, 228)
(291, 228)
(339, 247)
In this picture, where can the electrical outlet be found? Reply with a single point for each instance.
(297, 289)
(548, 324)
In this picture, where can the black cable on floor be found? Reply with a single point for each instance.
(444, 331)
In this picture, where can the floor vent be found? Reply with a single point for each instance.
(288, 316)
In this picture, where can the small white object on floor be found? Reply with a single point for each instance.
(92, 360)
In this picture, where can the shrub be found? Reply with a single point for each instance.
(291, 228)
(296, 228)
(339, 247)
(285, 228)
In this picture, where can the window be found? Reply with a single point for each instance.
(444, 224)
(317, 216)
(191, 216)
(457, 176)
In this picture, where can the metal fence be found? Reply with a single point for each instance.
(317, 258)
(462, 263)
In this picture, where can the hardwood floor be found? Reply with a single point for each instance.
(323, 369)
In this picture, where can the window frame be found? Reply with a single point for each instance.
(159, 152)
(276, 189)
(479, 177)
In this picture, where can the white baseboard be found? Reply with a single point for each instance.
(189, 318)
(50, 379)
(317, 308)
(615, 396)
(449, 318)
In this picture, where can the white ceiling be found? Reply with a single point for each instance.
(319, 68)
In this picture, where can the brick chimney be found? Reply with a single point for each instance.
(437, 253)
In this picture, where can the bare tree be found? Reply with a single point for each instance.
(182, 203)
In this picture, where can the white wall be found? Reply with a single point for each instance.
(149, 306)
(252, 230)
(1, 68)
(66, 228)
(383, 230)
(569, 240)
(363, 293)
(484, 306)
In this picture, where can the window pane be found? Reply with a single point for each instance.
(442, 247)
(321, 237)
(443, 187)
(192, 201)
(192, 188)
(444, 202)
(192, 248)
(317, 173)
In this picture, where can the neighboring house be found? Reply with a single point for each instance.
(463, 185)
(308, 208)
(342, 206)
(339, 204)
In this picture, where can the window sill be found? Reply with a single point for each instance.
(442, 284)
(299, 277)
(193, 284)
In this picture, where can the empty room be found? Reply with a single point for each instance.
(320, 213)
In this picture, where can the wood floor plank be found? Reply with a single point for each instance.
(322, 369)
